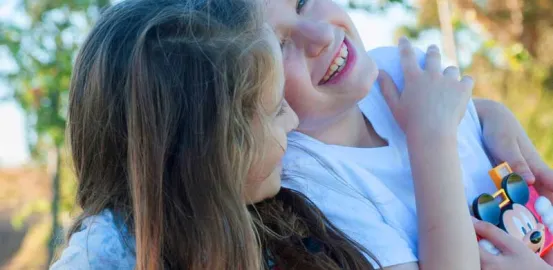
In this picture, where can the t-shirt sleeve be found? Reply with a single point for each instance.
(96, 247)
(352, 213)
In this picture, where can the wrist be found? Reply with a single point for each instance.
(486, 108)
(428, 135)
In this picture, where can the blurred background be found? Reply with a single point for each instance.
(506, 45)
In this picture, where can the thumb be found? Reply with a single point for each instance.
(497, 237)
(542, 172)
(389, 89)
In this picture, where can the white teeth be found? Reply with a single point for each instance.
(338, 64)
(344, 51)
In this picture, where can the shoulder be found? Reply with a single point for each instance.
(99, 244)
(389, 60)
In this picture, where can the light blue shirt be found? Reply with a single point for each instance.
(101, 243)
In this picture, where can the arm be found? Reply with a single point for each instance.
(506, 141)
(429, 111)
(445, 230)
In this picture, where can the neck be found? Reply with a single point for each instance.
(349, 129)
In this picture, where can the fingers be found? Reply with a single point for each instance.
(539, 170)
(497, 237)
(453, 72)
(388, 89)
(468, 83)
(519, 165)
(433, 59)
(488, 253)
(408, 58)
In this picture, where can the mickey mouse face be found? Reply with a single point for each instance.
(511, 215)
(522, 224)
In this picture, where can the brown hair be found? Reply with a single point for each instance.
(161, 103)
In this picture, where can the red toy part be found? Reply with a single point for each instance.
(548, 236)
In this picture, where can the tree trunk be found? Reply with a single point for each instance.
(54, 164)
(448, 33)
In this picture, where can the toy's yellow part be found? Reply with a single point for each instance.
(498, 173)
(501, 193)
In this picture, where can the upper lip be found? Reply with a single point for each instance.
(331, 56)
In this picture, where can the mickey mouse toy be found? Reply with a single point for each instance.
(518, 209)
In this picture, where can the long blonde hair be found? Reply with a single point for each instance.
(162, 97)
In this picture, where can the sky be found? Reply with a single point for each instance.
(375, 30)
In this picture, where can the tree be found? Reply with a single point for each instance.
(43, 50)
(512, 62)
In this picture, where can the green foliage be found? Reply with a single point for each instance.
(43, 48)
(514, 64)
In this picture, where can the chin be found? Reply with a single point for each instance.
(266, 189)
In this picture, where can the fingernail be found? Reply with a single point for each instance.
(474, 220)
(528, 176)
(433, 48)
(403, 41)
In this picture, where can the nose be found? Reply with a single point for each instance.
(314, 37)
(535, 237)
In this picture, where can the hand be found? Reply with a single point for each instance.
(510, 252)
(507, 141)
(431, 102)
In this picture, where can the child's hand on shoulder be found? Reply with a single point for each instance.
(433, 102)
(509, 252)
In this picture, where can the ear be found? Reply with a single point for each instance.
(486, 208)
(516, 188)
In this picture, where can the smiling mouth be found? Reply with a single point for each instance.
(337, 65)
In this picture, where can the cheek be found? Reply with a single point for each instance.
(264, 165)
(510, 225)
(298, 87)
(264, 176)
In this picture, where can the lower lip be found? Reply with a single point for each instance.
(350, 61)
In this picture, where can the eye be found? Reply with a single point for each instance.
(282, 110)
(527, 221)
(299, 5)
(519, 225)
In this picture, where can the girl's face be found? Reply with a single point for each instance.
(326, 67)
(264, 177)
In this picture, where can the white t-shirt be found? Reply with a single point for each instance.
(368, 193)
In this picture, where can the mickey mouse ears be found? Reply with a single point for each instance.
(487, 208)
(516, 188)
